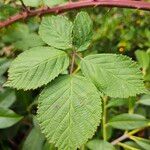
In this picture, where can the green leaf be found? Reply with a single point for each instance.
(15, 32)
(34, 140)
(7, 98)
(36, 67)
(115, 75)
(53, 2)
(29, 41)
(4, 64)
(8, 118)
(116, 102)
(143, 59)
(69, 111)
(128, 121)
(132, 144)
(56, 31)
(99, 145)
(143, 143)
(32, 3)
(82, 31)
(145, 100)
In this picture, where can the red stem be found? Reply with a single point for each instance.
(77, 5)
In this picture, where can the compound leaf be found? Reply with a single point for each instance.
(56, 31)
(128, 121)
(82, 31)
(69, 111)
(115, 75)
(36, 67)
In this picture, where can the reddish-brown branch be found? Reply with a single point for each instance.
(77, 5)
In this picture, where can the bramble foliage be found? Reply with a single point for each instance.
(64, 113)
(56, 32)
(115, 75)
(36, 67)
(60, 72)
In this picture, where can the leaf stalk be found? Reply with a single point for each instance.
(104, 126)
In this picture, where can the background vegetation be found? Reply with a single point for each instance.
(121, 31)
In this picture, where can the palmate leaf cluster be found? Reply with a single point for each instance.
(71, 103)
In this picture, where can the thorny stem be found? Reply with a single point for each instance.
(104, 118)
(125, 136)
(72, 62)
(77, 5)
